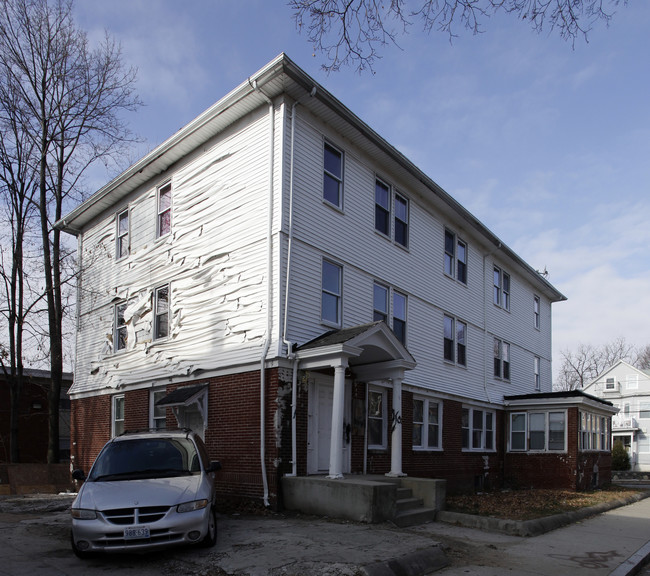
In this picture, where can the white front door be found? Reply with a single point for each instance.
(321, 392)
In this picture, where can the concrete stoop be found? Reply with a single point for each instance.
(410, 511)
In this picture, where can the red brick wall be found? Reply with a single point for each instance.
(90, 429)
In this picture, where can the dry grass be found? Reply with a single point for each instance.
(529, 504)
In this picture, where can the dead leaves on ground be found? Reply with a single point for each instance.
(529, 504)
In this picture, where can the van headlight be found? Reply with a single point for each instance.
(83, 514)
(192, 506)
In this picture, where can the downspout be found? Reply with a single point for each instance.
(485, 330)
(269, 294)
(290, 345)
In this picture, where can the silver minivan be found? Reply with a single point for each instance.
(146, 490)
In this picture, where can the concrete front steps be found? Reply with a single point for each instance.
(405, 501)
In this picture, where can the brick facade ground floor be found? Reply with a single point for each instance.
(233, 436)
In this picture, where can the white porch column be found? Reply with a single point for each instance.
(338, 411)
(396, 438)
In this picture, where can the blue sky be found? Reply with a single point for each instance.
(547, 144)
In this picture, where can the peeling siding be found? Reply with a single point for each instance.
(214, 261)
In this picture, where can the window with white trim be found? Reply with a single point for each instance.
(164, 201)
(477, 427)
(631, 381)
(401, 220)
(399, 316)
(536, 312)
(455, 257)
(333, 175)
(117, 415)
(501, 359)
(380, 303)
(122, 235)
(120, 333)
(161, 312)
(594, 432)
(536, 371)
(377, 418)
(455, 341)
(382, 207)
(331, 293)
(542, 431)
(157, 414)
(501, 288)
(427, 428)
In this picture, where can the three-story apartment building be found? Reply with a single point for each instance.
(279, 277)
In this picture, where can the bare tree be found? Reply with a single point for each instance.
(642, 360)
(579, 367)
(353, 32)
(69, 104)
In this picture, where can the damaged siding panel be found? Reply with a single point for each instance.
(214, 262)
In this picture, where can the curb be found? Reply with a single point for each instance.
(414, 564)
(535, 527)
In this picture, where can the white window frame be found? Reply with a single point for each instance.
(455, 340)
(326, 291)
(594, 434)
(502, 356)
(399, 221)
(119, 326)
(159, 314)
(502, 287)
(546, 416)
(382, 418)
(157, 414)
(537, 303)
(488, 417)
(161, 211)
(122, 244)
(631, 381)
(380, 291)
(380, 208)
(536, 371)
(338, 178)
(455, 266)
(117, 422)
(425, 434)
(397, 318)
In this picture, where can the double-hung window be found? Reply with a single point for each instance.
(382, 207)
(377, 418)
(380, 303)
(455, 341)
(426, 424)
(333, 175)
(120, 334)
(117, 416)
(161, 312)
(164, 224)
(477, 428)
(501, 359)
(399, 316)
(455, 264)
(536, 370)
(122, 238)
(394, 317)
(401, 220)
(501, 288)
(536, 312)
(538, 431)
(157, 414)
(331, 293)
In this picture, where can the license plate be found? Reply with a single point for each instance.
(139, 532)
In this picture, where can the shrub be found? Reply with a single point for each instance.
(620, 457)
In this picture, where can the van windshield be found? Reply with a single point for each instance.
(145, 458)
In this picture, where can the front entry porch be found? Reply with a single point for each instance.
(404, 501)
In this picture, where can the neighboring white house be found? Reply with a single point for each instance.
(628, 388)
(279, 277)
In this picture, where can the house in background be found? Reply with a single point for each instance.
(628, 389)
(33, 424)
(281, 279)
